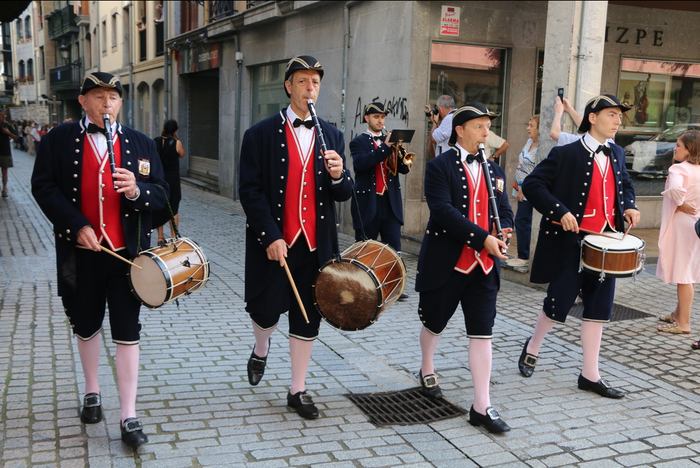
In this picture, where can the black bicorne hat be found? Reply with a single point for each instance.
(375, 108)
(302, 62)
(101, 80)
(598, 103)
(470, 111)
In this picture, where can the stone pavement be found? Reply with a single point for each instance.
(199, 410)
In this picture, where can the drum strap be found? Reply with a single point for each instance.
(172, 220)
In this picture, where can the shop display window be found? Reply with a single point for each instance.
(469, 74)
(268, 90)
(666, 102)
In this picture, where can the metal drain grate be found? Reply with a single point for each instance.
(619, 313)
(404, 407)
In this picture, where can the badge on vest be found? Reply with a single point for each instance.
(500, 184)
(144, 167)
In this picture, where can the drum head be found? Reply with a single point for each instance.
(149, 284)
(347, 295)
(629, 242)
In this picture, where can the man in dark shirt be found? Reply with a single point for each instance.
(6, 132)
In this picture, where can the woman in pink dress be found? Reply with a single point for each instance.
(679, 246)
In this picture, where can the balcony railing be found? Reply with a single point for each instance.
(65, 78)
(62, 22)
(221, 9)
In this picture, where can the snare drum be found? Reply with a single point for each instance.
(168, 272)
(351, 293)
(617, 258)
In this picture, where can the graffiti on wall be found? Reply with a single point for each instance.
(396, 107)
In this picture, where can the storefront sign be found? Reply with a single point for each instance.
(199, 58)
(625, 35)
(449, 21)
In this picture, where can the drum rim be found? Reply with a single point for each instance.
(626, 249)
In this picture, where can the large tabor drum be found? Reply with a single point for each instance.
(169, 271)
(351, 293)
(617, 258)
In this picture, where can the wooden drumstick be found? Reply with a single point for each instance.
(590, 232)
(105, 249)
(296, 293)
(626, 231)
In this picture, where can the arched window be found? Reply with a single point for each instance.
(28, 27)
(20, 70)
(19, 25)
(30, 70)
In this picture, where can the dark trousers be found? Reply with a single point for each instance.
(384, 224)
(523, 228)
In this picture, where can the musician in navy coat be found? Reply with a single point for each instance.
(288, 189)
(459, 258)
(72, 183)
(379, 210)
(582, 185)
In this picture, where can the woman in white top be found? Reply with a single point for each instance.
(527, 160)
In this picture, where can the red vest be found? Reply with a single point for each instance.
(300, 198)
(479, 215)
(380, 175)
(600, 206)
(99, 202)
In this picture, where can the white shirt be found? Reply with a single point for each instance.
(100, 140)
(600, 158)
(305, 135)
(474, 167)
(441, 135)
(566, 138)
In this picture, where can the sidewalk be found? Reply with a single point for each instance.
(199, 410)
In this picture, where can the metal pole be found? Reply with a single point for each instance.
(166, 82)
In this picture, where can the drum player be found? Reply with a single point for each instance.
(73, 184)
(459, 258)
(379, 210)
(287, 191)
(582, 185)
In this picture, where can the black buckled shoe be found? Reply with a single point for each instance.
(403, 296)
(600, 387)
(132, 433)
(429, 385)
(256, 366)
(303, 404)
(92, 409)
(527, 361)
(491, 420)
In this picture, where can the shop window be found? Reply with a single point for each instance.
(28, 28)
(268, 91)
(469, 74)
(666, 102)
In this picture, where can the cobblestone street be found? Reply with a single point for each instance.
(199, 410)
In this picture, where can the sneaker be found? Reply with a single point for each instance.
(517, 262)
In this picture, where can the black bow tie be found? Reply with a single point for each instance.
(92, 128)
(605, 149)
(378, 137)
(306, 123)
(471, 158)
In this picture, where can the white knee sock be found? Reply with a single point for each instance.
(262, 340)
(90, 360)
(480, 365)
(127, 360)
(591, 336)
(542, 327)
(300, 353)
(428, 345)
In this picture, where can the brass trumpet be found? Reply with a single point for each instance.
(399, 155)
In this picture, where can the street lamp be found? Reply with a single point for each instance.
(64, 50)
